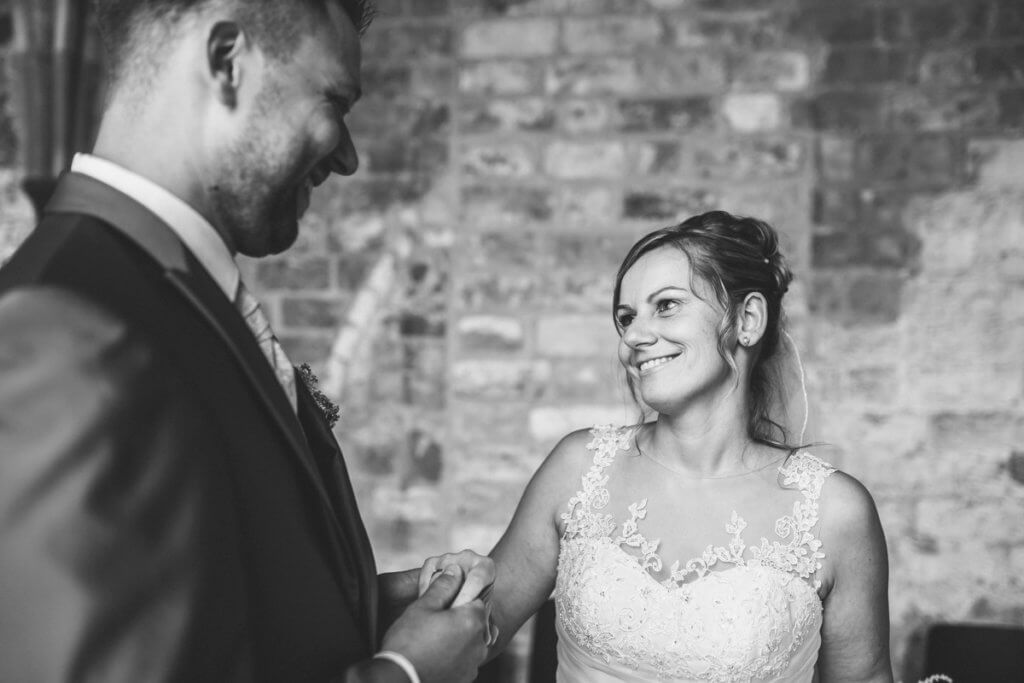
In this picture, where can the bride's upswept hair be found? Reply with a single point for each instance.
(734, 256)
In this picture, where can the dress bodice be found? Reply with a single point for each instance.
(735, 613)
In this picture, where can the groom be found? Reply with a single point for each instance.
(173, 505)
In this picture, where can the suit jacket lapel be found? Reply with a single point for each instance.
(80, 194)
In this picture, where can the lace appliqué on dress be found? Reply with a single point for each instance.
(743, 624)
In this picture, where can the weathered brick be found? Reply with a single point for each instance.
(748, 158)
(588, 205)
(576, 336)
(859, 66)
(749, 31)
(578, 380)
(936, 22)
(669, 204)
(509, 160)
(585, 159)
(484, 206)
(408, 42)
(999, 64)
(752, 112)
(424, 377)
(313, 312)
(1008, 19)
(611, 34)
(502, 379)
(499, 77)
(549, 424)
(665, 73)
(513, 38)
(312, 348)
(836, 158)
(487, 333)
(497, 425)
(923, 160)
(1011, 109)
(385, 80)
(657, 157)
(592, 76)
(836, 206)
(494, 116)
(293, 273)
(836, 24)
(578, 116)
(891, 249)
(843, 111)
(674, 114)
(947, 67)
(944, 110)
(772, 71)
(428, 8)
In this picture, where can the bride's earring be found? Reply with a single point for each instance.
(745, 340)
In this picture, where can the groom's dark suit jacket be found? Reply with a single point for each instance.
(163, 514)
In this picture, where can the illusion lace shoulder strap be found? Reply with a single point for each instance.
(582, 518)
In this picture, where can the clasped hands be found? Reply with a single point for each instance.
(478, 572)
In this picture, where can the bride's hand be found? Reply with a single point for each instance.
(478, 570)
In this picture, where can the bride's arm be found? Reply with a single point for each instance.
(526, 557)
(855, 630)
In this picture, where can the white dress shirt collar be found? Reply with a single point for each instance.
(198, 235)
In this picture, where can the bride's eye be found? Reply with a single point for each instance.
(623, 320)
(666, 305)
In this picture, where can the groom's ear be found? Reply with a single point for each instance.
(753, 318)
(225, 47)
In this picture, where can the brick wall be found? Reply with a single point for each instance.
(455, 292)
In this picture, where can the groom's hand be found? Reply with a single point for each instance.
(478, 570)
(445, 643)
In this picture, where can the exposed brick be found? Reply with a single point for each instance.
(923, 160)
(549, 424)
(742, 31)
(487, 333)
(1004, 64)
(837, 24)
(891, 249)
(843, 111)
(417, 324)
(747, 158)
(836, 159)
(682, 73)
(576, 336)
(497, 160)
(486, 291)
(505, 207)
(592, 75)
(670, 204)
(675, 114)
(386, 80)
(408, 42)
(936, 22)
(1008, 19)
(1015, 466)
(492, 116)
(1011, 109)
(578, 116)
(589, 205)
(936, 110)
(772, 71)
(500, 78)
(611, 34)
(495, 379)
(752, 112)
(860, 66)
(424, 377)
(310, 312)
(581, 380)
(836, 206)
(585, 160)
(518, 38)
(428, 8)
(657, 157)
(504, 251)
(947, 67)
(312, 348)
(293, 273)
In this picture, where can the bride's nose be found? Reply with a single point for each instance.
(638, 334)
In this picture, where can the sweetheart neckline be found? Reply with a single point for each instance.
(635, 564)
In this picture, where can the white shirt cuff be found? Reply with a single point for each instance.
(403, 663)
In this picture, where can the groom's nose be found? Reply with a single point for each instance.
(344, 159)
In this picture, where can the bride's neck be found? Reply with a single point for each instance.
(705, 444)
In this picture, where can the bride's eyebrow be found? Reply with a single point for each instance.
(653, 295)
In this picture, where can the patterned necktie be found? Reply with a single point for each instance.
(257, 321)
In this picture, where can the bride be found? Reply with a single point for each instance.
(700, 545)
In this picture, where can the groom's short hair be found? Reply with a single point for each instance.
(129, 27)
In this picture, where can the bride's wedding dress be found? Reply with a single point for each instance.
(736, 612)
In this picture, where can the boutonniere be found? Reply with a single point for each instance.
(328, 407)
